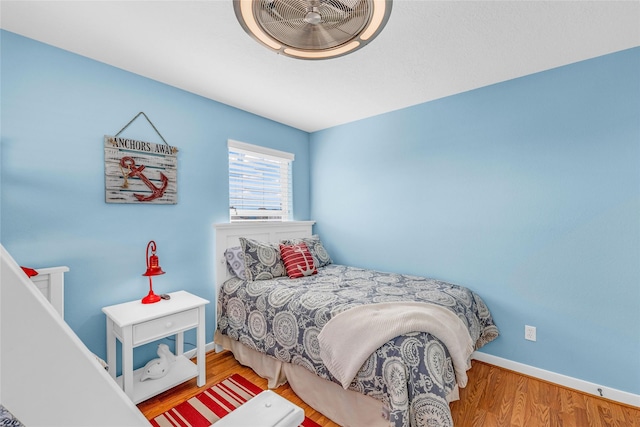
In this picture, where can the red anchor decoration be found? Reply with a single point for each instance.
(130, 164)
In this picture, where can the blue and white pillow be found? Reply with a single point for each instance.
(262, 261)
(235, 261)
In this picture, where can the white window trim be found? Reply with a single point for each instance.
(261, 150)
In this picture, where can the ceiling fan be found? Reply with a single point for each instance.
(313, 29)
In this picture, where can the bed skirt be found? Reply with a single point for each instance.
(344, 407)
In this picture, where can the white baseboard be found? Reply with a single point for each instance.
(563, 380)
(552, 377)
(207, 348)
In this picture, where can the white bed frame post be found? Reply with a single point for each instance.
(50, 281)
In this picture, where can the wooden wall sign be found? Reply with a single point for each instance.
(140, 172)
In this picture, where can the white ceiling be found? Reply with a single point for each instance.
(428, 50)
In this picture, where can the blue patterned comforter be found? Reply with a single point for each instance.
(412, 373)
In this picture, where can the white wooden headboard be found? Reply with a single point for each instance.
(228, 234)
(50, 281)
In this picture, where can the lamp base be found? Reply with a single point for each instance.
(151, 298)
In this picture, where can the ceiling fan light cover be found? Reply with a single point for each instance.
(313, 29)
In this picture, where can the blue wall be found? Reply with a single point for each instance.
(527, 191)
(56, 109)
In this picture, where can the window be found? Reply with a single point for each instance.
(260, 183)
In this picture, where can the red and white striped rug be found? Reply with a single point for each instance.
(212, 404)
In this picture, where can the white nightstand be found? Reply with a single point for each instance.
(134, 324)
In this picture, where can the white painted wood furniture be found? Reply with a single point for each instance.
(50, 282)
(135, 324)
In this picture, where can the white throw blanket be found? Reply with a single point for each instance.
(349, 338)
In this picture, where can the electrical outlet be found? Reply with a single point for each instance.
(529, 333)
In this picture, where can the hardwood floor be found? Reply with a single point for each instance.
(219, 367)
(494, 397)
(498, 397)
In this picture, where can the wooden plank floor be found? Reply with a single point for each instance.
(499, 397)
(494, 397)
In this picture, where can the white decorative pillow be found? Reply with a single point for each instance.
(262, 261)
(235, 261)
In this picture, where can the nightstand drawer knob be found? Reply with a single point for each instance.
(168, 324)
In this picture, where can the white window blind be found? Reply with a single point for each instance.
(260, 183)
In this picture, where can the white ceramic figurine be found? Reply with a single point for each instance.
(158, 368)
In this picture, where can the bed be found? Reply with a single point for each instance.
(362, 347)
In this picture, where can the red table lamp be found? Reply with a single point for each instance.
(153, 269)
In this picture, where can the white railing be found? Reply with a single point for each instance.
(48, 377)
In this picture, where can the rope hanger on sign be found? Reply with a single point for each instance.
(152, 125)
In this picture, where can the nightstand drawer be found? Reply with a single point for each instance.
(163, 326)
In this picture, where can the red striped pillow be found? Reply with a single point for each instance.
(297, 260)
